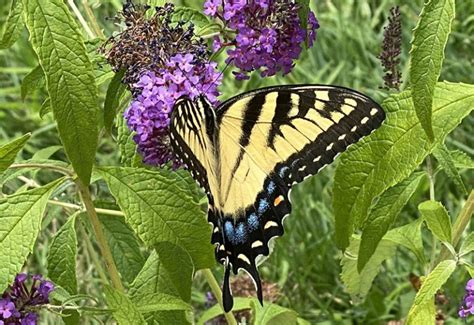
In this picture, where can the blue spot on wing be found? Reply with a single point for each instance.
(253, 222)
(283, 171)
(271, 187)
(236, 235)
(229, 230)
(240, 233)
(262, 206)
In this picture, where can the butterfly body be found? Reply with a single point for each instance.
(250, 151)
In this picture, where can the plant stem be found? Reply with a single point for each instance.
(216, 291)
(78, 207)
(62, 170)
(463, 219)
(93, 254)
(459, 226)
(92, 19)
(100, 236)
(81, 19)
(429, 163)
(431, 178)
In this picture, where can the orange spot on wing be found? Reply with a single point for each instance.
(278, 200)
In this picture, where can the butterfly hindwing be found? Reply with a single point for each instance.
(249, 152)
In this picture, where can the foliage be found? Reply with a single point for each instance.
(126, 241)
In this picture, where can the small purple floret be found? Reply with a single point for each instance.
(7, 308)
(467, 306)
(30, 319)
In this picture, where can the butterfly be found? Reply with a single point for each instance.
(248, 152)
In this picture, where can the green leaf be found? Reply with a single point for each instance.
(102, 70)
(32, 81)
(216, 310)
(158, 208)
(61, 52)
(409, 236)
(430, 286)
(124, 246)
(358, 283)
(9, 151)
(427, 55)
(13, 25)
(444, 158)
(462, 160)
(127, 147)
(467, 245)
(437, 219)
(11, 173)
(62, 255)
(425, 315)
(301, 321)
(392, 153)
(383, 215)
(124, 311)
(469, 269)
(20, 223)
(159, 274)
(158, 301)
(112, 99)
(46, 153)
(189, 15)
(273, 314)
(167, 271)
(45, 107)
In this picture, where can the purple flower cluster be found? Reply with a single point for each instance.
(17, 302)
(163, 59)
(149, 114)
(268, 34)
(467, 306)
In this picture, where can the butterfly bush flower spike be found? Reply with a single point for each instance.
(163, 61)
(467, 307)
(19, 303)
(267, 35)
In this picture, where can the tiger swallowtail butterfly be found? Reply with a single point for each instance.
(248, 152)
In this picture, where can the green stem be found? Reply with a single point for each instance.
(92, 19)
(100, 236)
(62, 170)
(108, 212)
(81, 19)
(429, 163)
(462, 221)
(216, 291)
(431, 177)
(93, 254)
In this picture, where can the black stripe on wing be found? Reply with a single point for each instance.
(366, 117)
(182, 117)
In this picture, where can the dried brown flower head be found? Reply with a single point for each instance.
(147, 43)
(391, 50)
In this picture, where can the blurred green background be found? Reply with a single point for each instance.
(305, 262)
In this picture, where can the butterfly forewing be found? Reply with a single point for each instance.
(254, 148)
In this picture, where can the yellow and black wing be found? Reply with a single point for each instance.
(250, 151)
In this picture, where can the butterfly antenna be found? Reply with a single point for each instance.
(219, 76)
